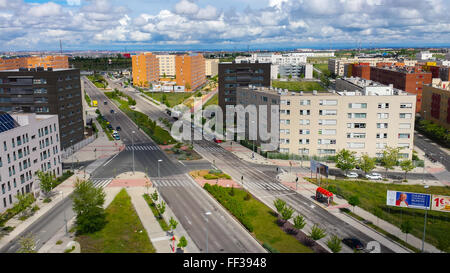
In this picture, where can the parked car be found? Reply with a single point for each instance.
(105, 102)
(353, 243)
(352, 175)
(116, 137)
(118, 128)
(374, 176)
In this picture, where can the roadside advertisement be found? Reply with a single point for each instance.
(408, 200)
(440, 203)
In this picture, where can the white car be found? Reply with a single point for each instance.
(374, 176)
(352, 175)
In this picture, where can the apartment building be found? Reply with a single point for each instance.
(363, 85)
(424, 55)
(409, 79)
(322, 123)
(337, 66)
(234, 75)
(275, 58)
(46, 91)
(295, 71)
(166, 65)
(53, 61)
(29, 143)
(211, 67)
(436, 105)
(190, 71)
(145, 69)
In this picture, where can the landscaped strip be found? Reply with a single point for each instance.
(259, 219)
(298, 86)
(123, 232)
(372, 198)
(170, 99)
(152, 206)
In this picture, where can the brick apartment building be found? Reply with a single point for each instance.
(46, 91)
(55, 62)
(411, 80)
(145, 69)
(190, 71)
(436, 105)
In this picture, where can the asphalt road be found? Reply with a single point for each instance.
(429, 147)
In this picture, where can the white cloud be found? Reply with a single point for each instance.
(73, 2)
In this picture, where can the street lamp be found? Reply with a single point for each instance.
(206, 218)
(65, 219)
(159, 161)
(132, 146)
(424, 225)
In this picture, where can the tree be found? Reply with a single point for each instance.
(407, 166)
(187, 86)
(286, 213)
(406, 228)
(161, 208)
(155, 196)
(299, 222)
(23, 202)
(173, 224)
(182, 243)
(334, 243)
(46, 182)
(366, 163)
(354, 201)
(88, 206)
(279, 205)
(317, 233)
(27, 244)
(345, 160)
(389, 158)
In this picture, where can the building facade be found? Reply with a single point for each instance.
(234, 75)
(53, 61)
(190, 71)
(166, 65)
(336, 66)
(46, 91)
(145, 69)
(436, 105)
(211, 67)
(29, 143)
(321, 124)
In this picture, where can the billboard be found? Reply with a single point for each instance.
(440, 203)
(408, 200)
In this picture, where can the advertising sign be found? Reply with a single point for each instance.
(440, 203)
(408, 200)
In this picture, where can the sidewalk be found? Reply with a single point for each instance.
(307, 189)
(66, 188)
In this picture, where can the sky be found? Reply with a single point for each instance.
(215, 25)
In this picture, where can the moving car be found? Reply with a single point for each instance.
(353, 243)
(374, 176)
(217, 140)
(105, 102)
(112, 111)
(352, 175)
(118, 128)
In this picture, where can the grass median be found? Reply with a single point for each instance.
(123, 232)
(257, 218)
(372, 198)
(170, 99)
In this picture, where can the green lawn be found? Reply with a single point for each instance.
(298, 86)
(123, 233)
(212, 101)
(172, 99)
(322, 67)
(372, 195)
(261, 218)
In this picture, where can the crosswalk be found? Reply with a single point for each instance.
(101, 182)
(141, 148)
(168, 182)
(213, 149)
(266, 186)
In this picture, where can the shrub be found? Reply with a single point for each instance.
(210, 176)
(247, 197)
(270, 248)
(59, 242)
(317, 233)
(334, 243)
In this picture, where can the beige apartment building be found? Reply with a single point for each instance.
(211, 67)
(166, 65)
(436, 105)
(337, 66)
(323, 123)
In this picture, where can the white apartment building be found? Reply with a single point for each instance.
(336, 66)
(166, 65)
(211, 67)
(29, 143)
(275, 58)
(424, 55)
(363, 85)
(323, 123)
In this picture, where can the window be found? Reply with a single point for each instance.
(381, 145)
(403, 145)
(357, 115)
(327, 151)
(356, 125)
(285, 131)
(383, 105)
(404, 135)
(404, 126)
(304, 132)
(328, 112)
(304, 122)
(285, 112)
(382, 125)
(405, 105)
(327, 132)
(305, 112)
(326, 141)
(356, 135)
(285, 102)
(303, 141)
(305, 102)
(357, 105)
(405, 115)
(383, 115)
(356, 145)
(381, 135)
(328, 102)
(284, 140)
(327, 122)
(284, 150)
(285, 121)
(303, 151)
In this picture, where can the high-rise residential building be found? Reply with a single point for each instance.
(436, 105)
(336, 66)
(46, 91)
(53, 61)
(323, 123)
(424, 55)
(409, 79)
(365, 86)
(29, 143)
(145, 69)
(166, 65)
(234, 75)
(190, 71)
(211, 67)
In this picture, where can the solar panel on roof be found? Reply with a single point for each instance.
(7, 123)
